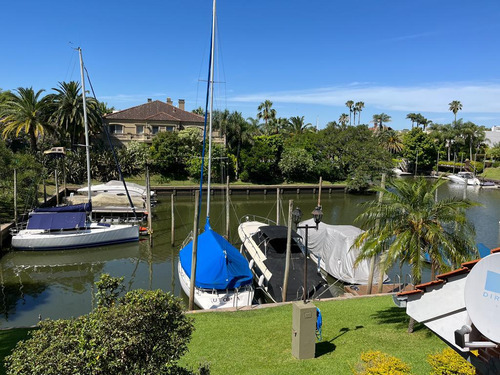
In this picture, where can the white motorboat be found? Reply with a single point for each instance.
(464, 178)
(70, 227)
(265, 247)
(331, 247)
(222, 277)
(117, 187)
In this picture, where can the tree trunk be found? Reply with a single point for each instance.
(411, 325)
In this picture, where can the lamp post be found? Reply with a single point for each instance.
(296, 217)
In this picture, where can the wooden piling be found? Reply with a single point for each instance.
(172, 227)
(227, 208)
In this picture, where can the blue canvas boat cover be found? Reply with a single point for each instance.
(57, 220)
(219, 264)
(82, 207)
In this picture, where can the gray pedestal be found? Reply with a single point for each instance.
(303, 330)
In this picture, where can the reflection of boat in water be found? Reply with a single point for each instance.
(265, 248)
(464, 178)
(331, 247)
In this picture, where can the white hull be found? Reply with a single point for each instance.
(117, 188)
(457, 179)
(95, 235)
(216, 299)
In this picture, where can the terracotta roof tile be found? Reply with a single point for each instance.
(430, 283)
(410, 292)
(152, 109)
(445, 276)
(470, 264)
(496, 250)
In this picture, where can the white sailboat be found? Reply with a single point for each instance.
(222, 277)
(70, 227)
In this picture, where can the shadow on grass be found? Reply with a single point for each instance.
(396, 316)
(326, 347)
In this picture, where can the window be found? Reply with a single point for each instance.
(116, 129)
(139, 129)
(155, 129)
(170, 128)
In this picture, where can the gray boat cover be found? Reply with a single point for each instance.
(332, 244)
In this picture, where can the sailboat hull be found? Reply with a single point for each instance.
(92, 236)
(216, 299)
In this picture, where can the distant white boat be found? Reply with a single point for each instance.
(464, 178)
(116, 187)
(400, 172)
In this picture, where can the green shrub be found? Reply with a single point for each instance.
(378, 363)
(448, 362)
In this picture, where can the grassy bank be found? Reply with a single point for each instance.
(491, 173)
(9, 339)
(259, 341)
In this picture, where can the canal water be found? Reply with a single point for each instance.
(60, 284)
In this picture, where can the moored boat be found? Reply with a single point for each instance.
(464, 178)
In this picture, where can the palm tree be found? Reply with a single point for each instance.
(409, 222)
(390, 140)
(455, 106)
(296, 125)
(350, 104)
(266, 112)
(380, 119)
(67, 113)
(344, 117)
(25, 112)
(412, 117)
(359, 107)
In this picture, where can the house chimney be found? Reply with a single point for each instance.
(169, 101)
(149, 100)
(181, 104)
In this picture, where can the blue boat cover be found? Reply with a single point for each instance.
(57, 220)
(483, 250)
(219, 264)
(82, 207)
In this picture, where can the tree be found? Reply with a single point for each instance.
(419, 147)
(390, 140)
(408, 222)
(199, 111)
(143, 332)
(297, 125)
(455, 106)
(266, 112)
(343, 119)
(170, 154)
(359, 107)
(25, 112)
(296, 164)
(260, 162)
(67, 114)
(380, 120)
(412, 117)
(350, 104)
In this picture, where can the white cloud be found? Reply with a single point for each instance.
(475, 97)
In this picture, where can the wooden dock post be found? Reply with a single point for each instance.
(15, 196)
(172, 228)
(227, 208)
(288, 250)
(319, 190)
(57, 187)
(148, 206)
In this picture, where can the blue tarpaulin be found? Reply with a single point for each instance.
(82, 207)
(57, 220)
(219, 264)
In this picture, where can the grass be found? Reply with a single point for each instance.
(259, 341)
(491, 173)
(8, 340)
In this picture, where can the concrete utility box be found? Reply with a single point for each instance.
(303, 330)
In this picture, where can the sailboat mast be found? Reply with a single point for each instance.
(211, 80)
(87, 143)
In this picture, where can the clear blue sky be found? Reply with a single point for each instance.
(308, 57)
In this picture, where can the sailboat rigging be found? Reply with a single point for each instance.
(70, 227)
(222, 277)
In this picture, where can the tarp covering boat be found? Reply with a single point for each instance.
(82, 207)
(332, 244)
(219, 264)
(57, 220)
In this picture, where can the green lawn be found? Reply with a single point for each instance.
(491, 173)
(259, 341)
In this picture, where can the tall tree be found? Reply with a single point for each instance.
(350, 104)
(343, 119)
(408, 222)
(297, 125)
(380, 119)
(359, 107)
(266, 112)
(455, 106)
(25, 112)
(412, 118)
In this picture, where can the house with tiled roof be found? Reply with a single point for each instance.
(141, 123)
(462, 307)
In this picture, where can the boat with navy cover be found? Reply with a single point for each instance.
(265, 248)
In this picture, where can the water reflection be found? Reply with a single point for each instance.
(61, 284)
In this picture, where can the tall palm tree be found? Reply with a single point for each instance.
(409, 222)
(266, 112)
(380, 119)
(297, 125)
(350, 104)
(359, 106)
(67, 113)
(412, 117)
(343, 119)
(455, 106)
(24, 111)
(390, 140)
